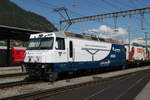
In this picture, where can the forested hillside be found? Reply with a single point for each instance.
(13, 15)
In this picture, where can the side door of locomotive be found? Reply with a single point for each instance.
(61, 52)
(70, 51)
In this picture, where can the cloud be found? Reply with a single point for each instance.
(119, 34)
(104, 28)
(107, 32)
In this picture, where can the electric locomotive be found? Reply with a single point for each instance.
(49, 54)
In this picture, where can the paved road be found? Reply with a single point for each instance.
(119, 89)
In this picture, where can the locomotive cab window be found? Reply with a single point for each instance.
(40, 43)
(60, 44)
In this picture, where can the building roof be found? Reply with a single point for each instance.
(15, 33)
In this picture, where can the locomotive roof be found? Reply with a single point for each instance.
(69, 34)
(90, 37)
(48, 34)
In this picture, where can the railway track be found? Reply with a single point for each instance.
(37, 95)
(16, 83)
(11, 79)
(13, 75)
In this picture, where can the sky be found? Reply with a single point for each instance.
(102, 28)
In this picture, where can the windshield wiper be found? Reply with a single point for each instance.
(44, 47)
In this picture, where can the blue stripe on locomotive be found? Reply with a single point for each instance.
(116, 58)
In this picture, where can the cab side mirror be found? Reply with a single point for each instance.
(56, 45)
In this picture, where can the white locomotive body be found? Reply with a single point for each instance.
(50, 53)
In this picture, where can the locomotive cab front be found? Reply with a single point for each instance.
(43, 51)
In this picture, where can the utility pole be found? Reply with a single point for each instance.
(146, 44)
(142, 21)
(129, 37)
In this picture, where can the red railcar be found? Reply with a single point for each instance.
(17, 55)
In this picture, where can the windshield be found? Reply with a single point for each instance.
(41, 43)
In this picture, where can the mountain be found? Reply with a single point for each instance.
(13, 15)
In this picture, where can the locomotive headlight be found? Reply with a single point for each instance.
(43, 66)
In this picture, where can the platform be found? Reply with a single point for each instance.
(10, 70)
(144, 94)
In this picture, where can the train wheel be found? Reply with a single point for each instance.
(124, 66)
(51, 77)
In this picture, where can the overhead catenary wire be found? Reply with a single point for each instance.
(111, 4)
(48, 4)
(124, 4)
(116, 5)
(109, 15)
(97, 5)
(52, 6)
